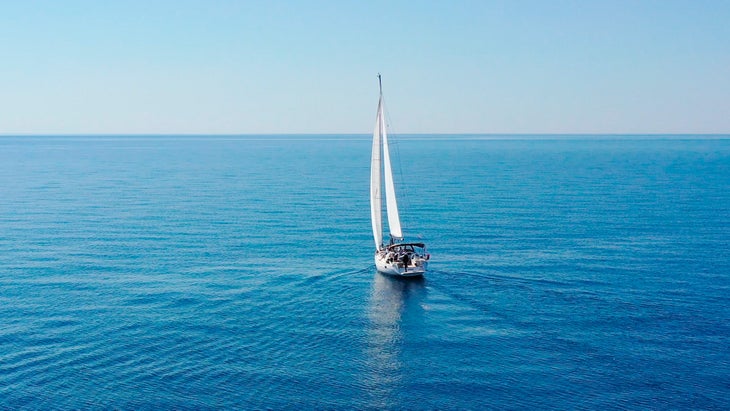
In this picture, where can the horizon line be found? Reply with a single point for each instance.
(172, 134)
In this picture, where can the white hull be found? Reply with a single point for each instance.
(416, 267)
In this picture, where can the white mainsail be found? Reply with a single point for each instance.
(376, 202)
(379, 164)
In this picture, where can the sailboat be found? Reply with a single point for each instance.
(396, 257)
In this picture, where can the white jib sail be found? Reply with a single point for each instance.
(376, 202)
(390, 201)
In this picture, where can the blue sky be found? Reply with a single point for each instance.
(457, 66)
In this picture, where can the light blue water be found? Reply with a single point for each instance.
(236, 272)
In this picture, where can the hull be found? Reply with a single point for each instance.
(417, 266)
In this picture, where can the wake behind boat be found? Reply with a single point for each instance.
(397, 258)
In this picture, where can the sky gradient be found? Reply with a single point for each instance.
(250, 67)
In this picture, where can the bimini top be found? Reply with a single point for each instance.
(419, 245)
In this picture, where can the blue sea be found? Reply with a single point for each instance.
(236, 272)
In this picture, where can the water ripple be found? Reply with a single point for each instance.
(165, 273)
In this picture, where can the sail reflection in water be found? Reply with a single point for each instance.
(395, 307)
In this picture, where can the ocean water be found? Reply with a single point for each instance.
(209, 272)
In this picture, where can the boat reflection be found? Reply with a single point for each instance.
(395, 307)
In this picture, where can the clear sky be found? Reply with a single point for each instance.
(451, 66)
